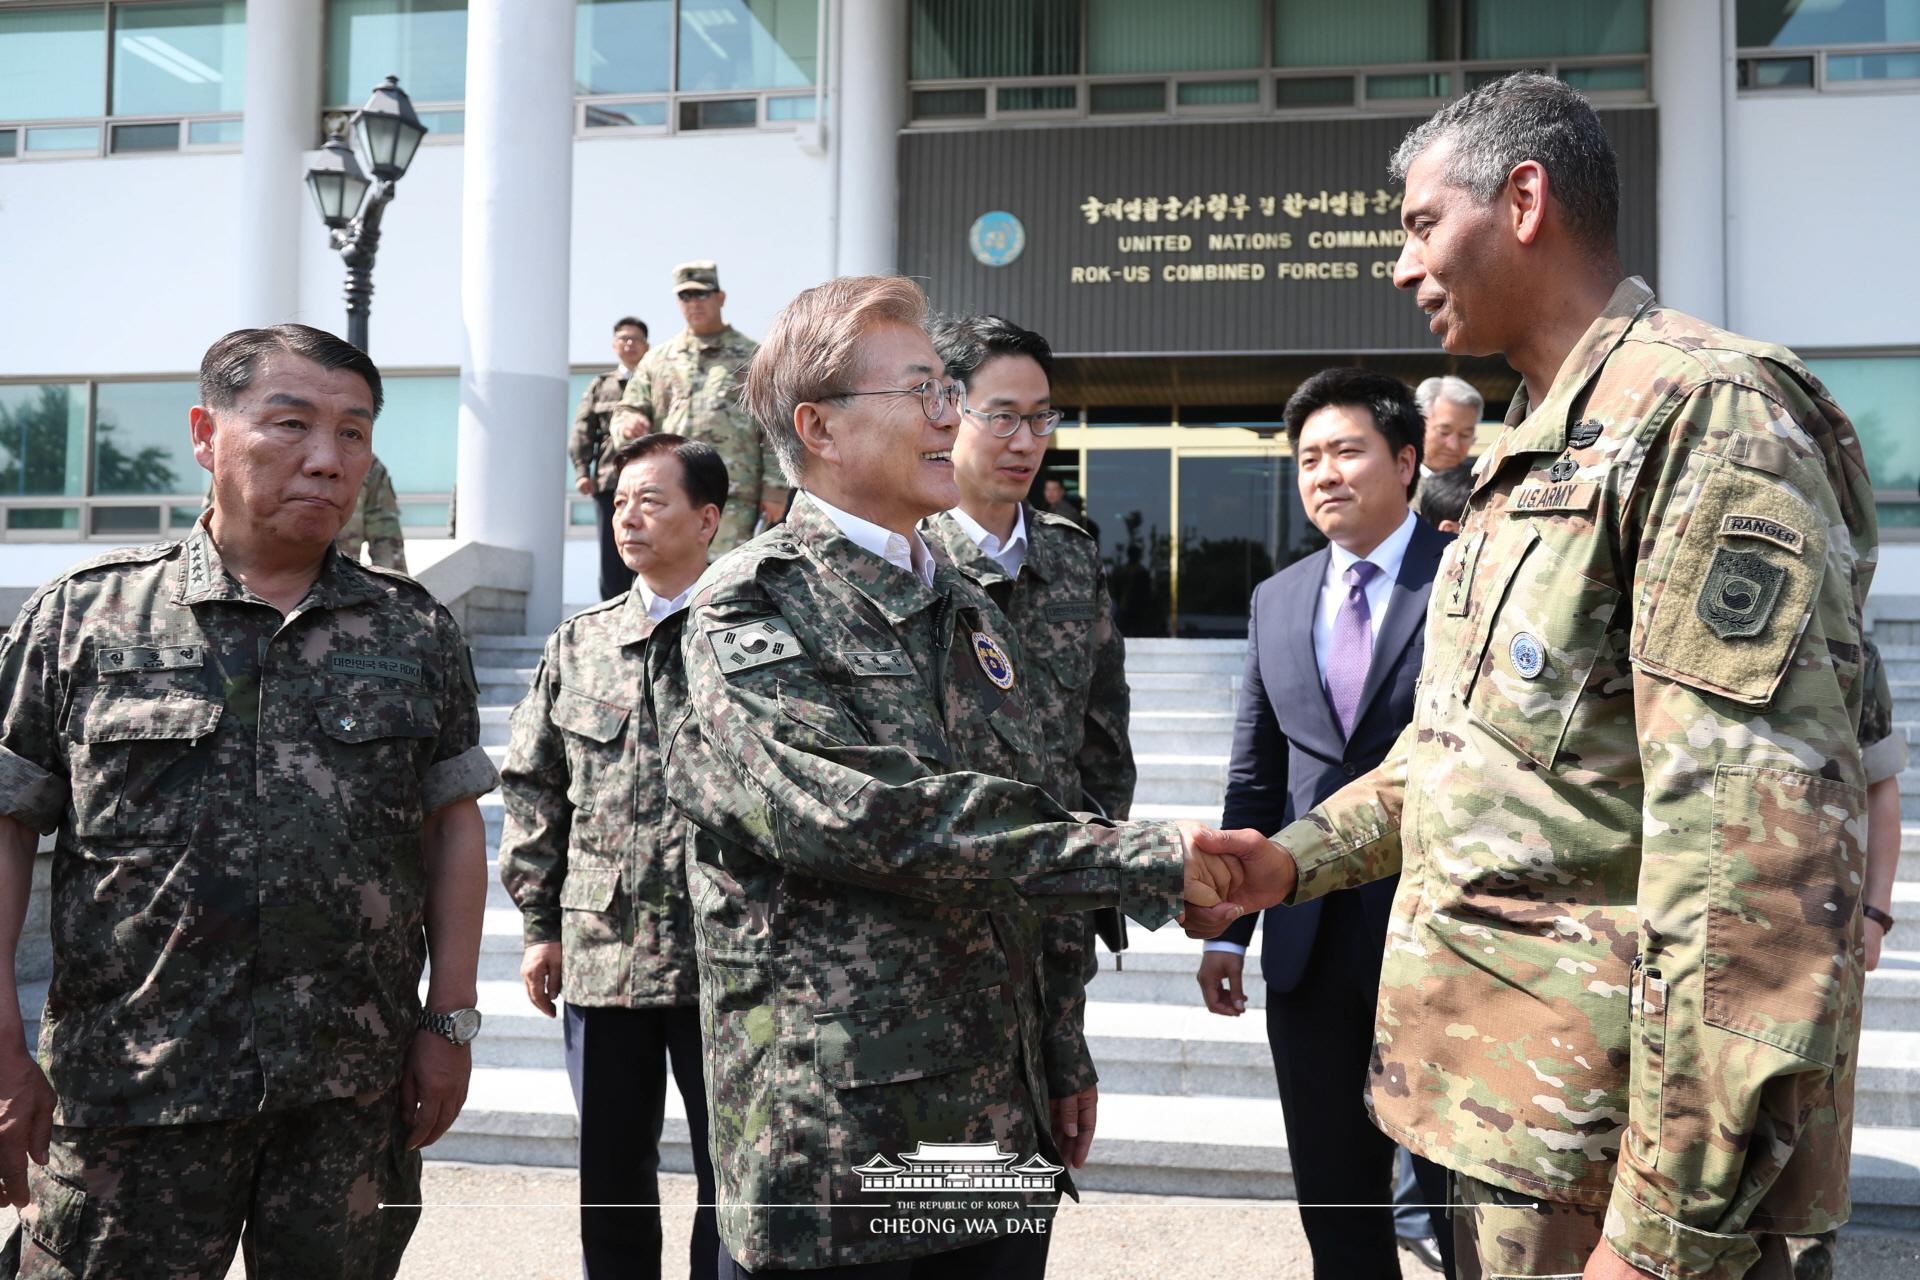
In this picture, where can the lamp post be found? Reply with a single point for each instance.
(386, 133)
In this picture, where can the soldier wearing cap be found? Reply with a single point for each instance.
(592, 442)
(1621, 993)
(873, 847)
(261, 759)
(690, 385)
(1044, 572)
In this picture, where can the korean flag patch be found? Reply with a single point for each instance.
(747, 645)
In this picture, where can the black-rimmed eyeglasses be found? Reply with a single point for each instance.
(934, 395)
(1004, 422)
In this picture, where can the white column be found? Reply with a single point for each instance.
(870, 110)
(282, 123)
(1692, 86)
(515, 221)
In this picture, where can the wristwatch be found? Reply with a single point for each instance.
(459, 1027)
(1879, 917)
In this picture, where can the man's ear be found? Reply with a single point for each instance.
(200, 430)
(1526, 195)
(709, 523)
(1407, 463)
(816, 433)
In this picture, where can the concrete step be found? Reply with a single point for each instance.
(1213, 657)
(1181, 779)
(1200, 733)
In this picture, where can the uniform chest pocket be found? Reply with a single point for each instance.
(379, 745)
(592, 732)
(140, 760)
(1547, 625)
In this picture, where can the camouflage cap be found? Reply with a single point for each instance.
(697, 275)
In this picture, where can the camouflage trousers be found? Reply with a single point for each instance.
(1500, 1234)
(298, 1189)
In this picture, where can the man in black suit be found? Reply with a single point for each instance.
(1333, 652)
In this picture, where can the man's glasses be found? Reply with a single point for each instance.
(934, 395)
(1004, 422)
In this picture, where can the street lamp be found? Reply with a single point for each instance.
(387, 133)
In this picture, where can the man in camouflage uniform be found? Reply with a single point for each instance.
(261, 760)
(591, 443)
(1621, 994)
(690, 385)
(1045, 574)
(594, 858)
(874, 844)
(375, 523)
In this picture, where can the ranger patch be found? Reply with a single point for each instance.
(878, 662)
(166, 657)
(1735, 524)
(367, 664)
(1739, 594)
(747, 645)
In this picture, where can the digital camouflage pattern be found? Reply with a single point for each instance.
(873, 847)
(238, 889)
(1077, 683)
(1684, 527)
(170, 1200)
(591, 442)
(1883, 753)
(375, 523)
(690, 385)
(591, 852)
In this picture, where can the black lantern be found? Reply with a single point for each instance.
(337, 183)
(388, 130)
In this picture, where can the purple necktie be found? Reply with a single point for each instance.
(1352, 650)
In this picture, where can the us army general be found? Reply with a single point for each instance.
(1623, 973)
(261, 760)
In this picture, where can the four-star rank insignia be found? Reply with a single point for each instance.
(993, 660)
(747, 645)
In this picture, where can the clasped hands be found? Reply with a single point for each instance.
(1230, 873)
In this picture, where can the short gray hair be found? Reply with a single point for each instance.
(812, 352)
(1521, 117)
(1447, 387)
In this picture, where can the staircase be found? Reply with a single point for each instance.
(1187, 1099)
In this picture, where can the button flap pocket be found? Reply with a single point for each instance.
(103, 713)
(589, 888)
(368, 717)
(858, 1048)
(59, 1208)
(589, 717)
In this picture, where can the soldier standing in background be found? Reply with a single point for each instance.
(591, 443)
(1044, 572)
(594, 858)
(1621, 994)
(690, 385)
(262, 760)
(375, 523)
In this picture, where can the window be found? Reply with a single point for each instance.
(1529, 29)
(623, 46)
(43, 451)
(1838, 45)
(994, 39)
(1150, 35)
(1881, 394)
(1307, 33)
(140, 442)
(185, 63)
(748, 44)
(424, 42)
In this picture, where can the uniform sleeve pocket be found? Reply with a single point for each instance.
(1550, 626)
(589, 717)
(859, 1048)
(1726, 604)
(589, 888)
(1786, 874)
(59, 1210)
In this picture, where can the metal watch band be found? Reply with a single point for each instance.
(1879, 917)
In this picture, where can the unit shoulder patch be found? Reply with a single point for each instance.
(746, 645)
(1739, 594)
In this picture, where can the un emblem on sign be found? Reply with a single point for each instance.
(996, 238)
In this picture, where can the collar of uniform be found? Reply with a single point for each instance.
(204, 577)
(1543, 429)
(635, 622)
(712, 341)
(898, 593)
(945, 531)
(1043, 545)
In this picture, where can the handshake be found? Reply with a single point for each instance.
(1230, 873)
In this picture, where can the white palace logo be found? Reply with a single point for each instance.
(958, 1167)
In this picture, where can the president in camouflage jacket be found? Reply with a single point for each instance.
(873, 839)
(1622, 975)
(264, 797)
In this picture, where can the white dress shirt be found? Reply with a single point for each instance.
(659, 607)
(1333, 593)
(1010, 555)
(910, 555)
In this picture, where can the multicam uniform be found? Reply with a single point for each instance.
(866, 878)
(1622, 974)
(238, 899)
(690, 385)
(1062, 618)
(375, 523)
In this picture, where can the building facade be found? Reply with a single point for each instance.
(1190, 200)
